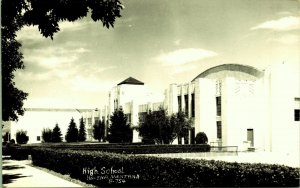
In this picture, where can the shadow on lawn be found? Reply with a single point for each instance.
(12, 167)
(9, 178)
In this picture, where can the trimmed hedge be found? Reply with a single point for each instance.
(129, 170)
(19, 152)
(129, 148)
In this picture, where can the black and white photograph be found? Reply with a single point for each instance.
(150, 93)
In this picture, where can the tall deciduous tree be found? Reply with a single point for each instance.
(182, 125)
(82, 132)
(72, 132)
(119, 130)
(46, 14)
(158, 127)
(56, 134)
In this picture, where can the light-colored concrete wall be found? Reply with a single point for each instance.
(34, 121)
(172, 99)
(240, 111)
(283, 87)
(205, 108)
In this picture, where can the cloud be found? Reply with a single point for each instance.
(182, 69)
(33, 33)
(183, 56)
(90, 84)
(53, 56)
(102, 69)
(74, 26)
(287, 39)
(29, 33)
(282, 24)
(177, 42)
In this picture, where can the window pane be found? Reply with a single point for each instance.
(297, 115)
(193, 105)
(219, 129)
(218, 104)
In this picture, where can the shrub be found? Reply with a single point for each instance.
(134, 148)
(161, 172)
(12, 141)
(21, 137)
(47, 135)
(146, 140)
(201, 138)
(19, 152)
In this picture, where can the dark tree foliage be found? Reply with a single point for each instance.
(158, 127)
(119, 130)
(72, 132)
(46, 14)
(47, 135)
(99, 131)
(56, 134)
(82, 132)
(21, 137)
(12, 98)
(201, 138)
(6, 136)
(182, 124)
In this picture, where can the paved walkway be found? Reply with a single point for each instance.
(21, 174)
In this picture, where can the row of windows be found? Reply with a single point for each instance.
(186, 104)
(218, 107)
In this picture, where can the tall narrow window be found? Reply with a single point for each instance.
(179, 103)
(193, 105)
(186, 103)
(142, 117)
(297, 114)
(96, 120)
(128, 118)
(250, 137)
(219, 129)
(38, 138)
(218, 105)
(89, 122)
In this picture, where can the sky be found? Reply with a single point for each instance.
(158, 42)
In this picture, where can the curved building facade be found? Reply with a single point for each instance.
(239, 105)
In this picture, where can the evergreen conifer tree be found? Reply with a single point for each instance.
(82, 132)
(72, 132)
(56, 134)
(119, 131)
(99, 130)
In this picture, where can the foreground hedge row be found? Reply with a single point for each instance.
(108, 169)
(129, 148)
